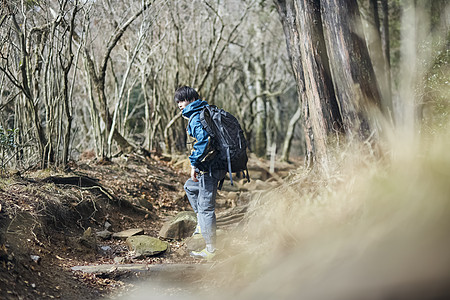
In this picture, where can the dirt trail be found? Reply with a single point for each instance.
(44, 214)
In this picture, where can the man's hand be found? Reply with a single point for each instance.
(194, 174)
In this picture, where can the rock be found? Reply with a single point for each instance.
(89, 239)
(227, 187)
(123, 235)
(195, 243)
(105, 234)
(107, 225)
(145, 245)
(181, 226)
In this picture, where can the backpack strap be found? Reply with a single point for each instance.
(228, 150)
(229, 165)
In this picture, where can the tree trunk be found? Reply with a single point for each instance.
(303, 28)
(99, 81)
(66, 96)
(290, 133)
(378, 57)
(260, 148)
(287, 14)
(351, 68)
(46, 154)
(123, 144)
(385, 46)
(322, 105)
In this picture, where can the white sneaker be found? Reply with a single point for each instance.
(204, 254)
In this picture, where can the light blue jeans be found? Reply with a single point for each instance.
(202, 197)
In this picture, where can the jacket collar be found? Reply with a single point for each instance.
(193, 108)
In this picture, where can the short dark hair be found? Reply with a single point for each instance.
(186, 93)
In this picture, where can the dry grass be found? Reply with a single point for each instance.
(362, 227)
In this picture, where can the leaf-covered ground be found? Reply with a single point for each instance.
(44, 214)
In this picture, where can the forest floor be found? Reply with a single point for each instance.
(45, 214)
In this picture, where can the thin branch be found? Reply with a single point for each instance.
(115, 39)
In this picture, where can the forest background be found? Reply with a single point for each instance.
(99, 76)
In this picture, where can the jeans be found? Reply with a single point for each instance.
(202, 197)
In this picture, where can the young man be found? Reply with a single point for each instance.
(201, 187)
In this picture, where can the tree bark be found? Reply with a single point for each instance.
(46, 153)
(322, 104)
(99, 84)
(378, 56)
(288, 19)
(66, 96)
(303, 28)
(351, 68)
(260, 148)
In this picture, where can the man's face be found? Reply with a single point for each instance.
(183, 104)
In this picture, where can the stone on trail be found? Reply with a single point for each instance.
(123, 235)
(195, 243)
(180, 226)
(144, 245)
(104, 234)
(88, 239)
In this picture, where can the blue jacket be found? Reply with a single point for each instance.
(195, 129)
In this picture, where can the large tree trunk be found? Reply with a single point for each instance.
(323, 108)
(287, 14)
(334, 73)
(377, 55)
(67, 98)
(303, 28)
(351, 68)
(46, 153)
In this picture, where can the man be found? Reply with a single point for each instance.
(201, 187)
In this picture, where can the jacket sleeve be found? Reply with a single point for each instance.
(201, 145)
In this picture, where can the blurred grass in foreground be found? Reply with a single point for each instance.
(365, 228)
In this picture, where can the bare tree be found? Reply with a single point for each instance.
(98, 77)
(101, 74)
(37, 62)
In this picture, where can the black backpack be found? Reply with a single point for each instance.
(227, 140)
